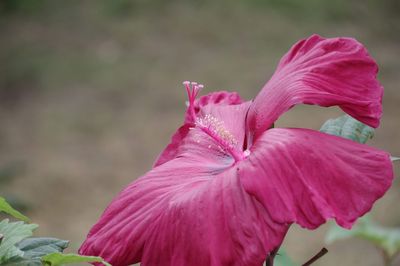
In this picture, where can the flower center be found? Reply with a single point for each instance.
(211, 125)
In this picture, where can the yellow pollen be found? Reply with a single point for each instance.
(217, 128)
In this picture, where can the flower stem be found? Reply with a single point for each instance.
(270, 258)
(316, 257)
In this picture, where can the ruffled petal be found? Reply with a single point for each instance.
(184, 213)
(221, 98)
(325, 72)
(304, 176)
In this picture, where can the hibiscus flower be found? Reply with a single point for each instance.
(227, 188)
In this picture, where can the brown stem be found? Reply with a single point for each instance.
(270, 258)
(316, 257)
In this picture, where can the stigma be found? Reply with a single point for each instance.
(192, 90)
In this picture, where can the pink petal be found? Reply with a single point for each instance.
(202, 209)
(221, 98)
(185, 213)
(325, 72)
(306, 177)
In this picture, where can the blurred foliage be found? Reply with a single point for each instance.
(22, 6)
(349, 128)
(386, 239)
(282, 259)
(34, 66)
(317, 9)
(10, 171)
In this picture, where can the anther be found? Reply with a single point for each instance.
(215, 128)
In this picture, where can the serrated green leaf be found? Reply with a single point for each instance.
(282, 259)
(13, 233)
(5, 207)
(56, 259)
(388, 239)
(37, 247)
(347, 127)
(34, 249)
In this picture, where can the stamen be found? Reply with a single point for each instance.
(216, 129)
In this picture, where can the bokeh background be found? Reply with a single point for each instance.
(90, 92)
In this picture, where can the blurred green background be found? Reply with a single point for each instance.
(90, 92)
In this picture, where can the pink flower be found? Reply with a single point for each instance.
(227, 188)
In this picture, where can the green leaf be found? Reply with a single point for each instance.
(282, 259)
(394, 158)
(5, 207)
(347, 127)
(34, 249)
(37, 247)
(56, 259)
(20, 261)
(388, 239)
(12, 234)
